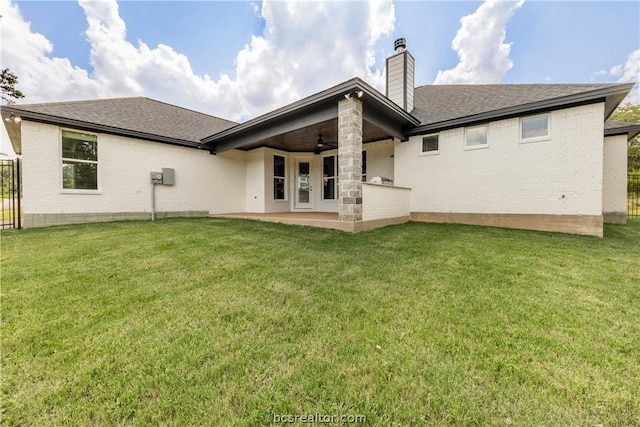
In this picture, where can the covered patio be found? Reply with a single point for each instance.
(342, 119)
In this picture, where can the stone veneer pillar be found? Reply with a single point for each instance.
(350, 159)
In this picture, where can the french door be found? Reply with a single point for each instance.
(304, 195)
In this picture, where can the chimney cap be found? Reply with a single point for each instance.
(400, 45)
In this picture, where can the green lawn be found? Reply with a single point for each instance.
(230, 322)
(6, 211)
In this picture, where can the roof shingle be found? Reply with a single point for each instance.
(615, 127)
(441, 103)
(135, 114)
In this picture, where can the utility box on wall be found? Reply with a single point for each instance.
(166, 177)
(156, 177)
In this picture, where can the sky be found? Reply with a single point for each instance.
(240, 59)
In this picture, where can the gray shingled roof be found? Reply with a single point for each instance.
(441, 103)
(615, 127)
(436, 107)
(136, 115)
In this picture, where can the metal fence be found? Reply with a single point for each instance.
(10, 192)
(633, 196)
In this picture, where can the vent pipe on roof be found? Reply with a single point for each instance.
(401, 76)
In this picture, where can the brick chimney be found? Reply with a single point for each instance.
(401, 76)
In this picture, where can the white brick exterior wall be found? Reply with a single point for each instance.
(203, 182)
(558, 176)
(614, 194)
(255, 181)
(384, 201)
(573, 173)
(379, 159)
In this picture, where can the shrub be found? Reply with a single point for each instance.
(633, 158)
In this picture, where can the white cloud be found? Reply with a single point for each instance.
(483, 54)
(305, 47)
(27, 54)
(627, 72)
(381, 23)
(309, 46)
(616, 70)
(631, 73)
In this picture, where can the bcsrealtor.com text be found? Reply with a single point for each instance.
(318, 418)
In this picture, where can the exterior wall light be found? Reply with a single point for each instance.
(13, 119)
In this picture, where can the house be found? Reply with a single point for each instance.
(532, 156)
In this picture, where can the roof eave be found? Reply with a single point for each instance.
(14, 131)
(632, 134)
(314, 103)
(94, 127)
(611, 96)
(630, 131)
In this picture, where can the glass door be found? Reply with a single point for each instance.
(304, 187)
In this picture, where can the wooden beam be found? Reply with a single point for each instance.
(299, 121)
(381, 121)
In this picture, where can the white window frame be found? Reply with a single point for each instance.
(430, 152)
(334, 176)
(96, 190)
(284, 179)
(363, 166)
(476, 147)
(546, 137)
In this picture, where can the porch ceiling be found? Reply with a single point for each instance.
(295, 128)
(306, 139)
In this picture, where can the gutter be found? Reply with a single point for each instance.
(591, 97)
(95, 127)
(630, 129)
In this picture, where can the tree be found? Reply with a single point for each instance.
(626, 113)
(630, 113)
(8, 82)
(633, 158)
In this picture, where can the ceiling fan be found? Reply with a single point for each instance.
(322, 145)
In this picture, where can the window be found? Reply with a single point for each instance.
(534, 128)
(79, 161)
(279, 176)
(430, 144)
(364, 166)
(329, 175)
(476, 137)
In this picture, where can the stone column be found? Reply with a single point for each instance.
(350, 159)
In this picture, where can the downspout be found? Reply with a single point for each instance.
(19, 181)
(153, 201)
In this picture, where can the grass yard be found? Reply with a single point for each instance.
(633, 206)
(237, 322)
(6, 213)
